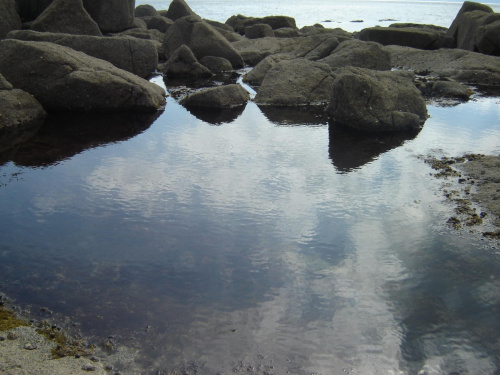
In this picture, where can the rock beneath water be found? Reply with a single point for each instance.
(259, 30)
(463, 66)
(415, 37)
(21, 113)
(66, 16)
(375, 101)
(145, 10)
(368, 55)
(239, 23)
(183, 63)
(111, 15)
(63, 79)
(201, 38)
(9, 19)
(137, 56)
(216, 64)
(179, 9)
(221, 97)
(296, 82)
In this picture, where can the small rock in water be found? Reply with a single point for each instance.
(30, 347)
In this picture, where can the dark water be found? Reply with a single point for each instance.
(254, 242)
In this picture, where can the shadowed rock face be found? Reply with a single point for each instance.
(9, 19)
(64, 135)
(350, 149)
(111, 15)
(62, 79)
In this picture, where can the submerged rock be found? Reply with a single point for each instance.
(61, 78)
(66, 16)
(376, 101)
(220, 97)
(134, 55)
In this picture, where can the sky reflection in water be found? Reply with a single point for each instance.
(260, 241)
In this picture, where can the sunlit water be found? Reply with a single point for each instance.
(259, 242)
(346, 14)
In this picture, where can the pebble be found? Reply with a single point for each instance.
(30, 347)
(2, 338)
(88, 367)
(94, 359)
(12, 335)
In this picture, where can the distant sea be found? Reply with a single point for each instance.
(348, 15)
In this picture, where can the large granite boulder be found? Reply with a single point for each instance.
(179, 9)
(201, 38)
(296, 82)
(216, 64)
(255, 76)
(66, 16)
(145, 10)
(134, 55)
(376, 101)
(20, 113)
(183, 63)
(111, 15)
(259, 30)
(488, 39)
(415, 37)
(61, 78)
(369, 55)
(463, 66)
(239, 23)
(221, 97)
(9, 19)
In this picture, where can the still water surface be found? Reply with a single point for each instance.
(263, 243)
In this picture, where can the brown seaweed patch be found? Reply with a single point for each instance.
(66, 347)
(9, 320)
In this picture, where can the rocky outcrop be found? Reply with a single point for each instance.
(9, 19)
(20, 113)
(239, 23)
(137, 56)
(259, 30)
(216, 64)
(220, 97)
(111, 15)
(179, 9)
(488, 39)
(369, 55)
(145, 10)
(61, 78)
(415, 37)
(296, 82)
(201, 38)
(183, 63)
(376, 101)
(66, 16)
(462, 66)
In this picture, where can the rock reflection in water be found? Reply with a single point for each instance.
(350, 149)
(306, 115)
(67, 134)
(217, 116)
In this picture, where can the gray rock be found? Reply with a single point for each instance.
(296, 82)
(221, 97)
(179, 9)
(324, 49)
(463, 66)
(468, 25)
(66, 16)
(9, 19)
(219, 25)
(446, 89)
(488, 39)
(415, 37)
(286, 32)
(201, 38)
(255, 76)
(4, 84)
(369, 55)
(139, 23)
(467, 6)
(152, 34)
(159, 23)
(259, 30)
(146, 10)
(137, 56)
(111, 15)
(183, 63)
(61, 78)
(376, 101)
(239, 23)
(216, 64)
